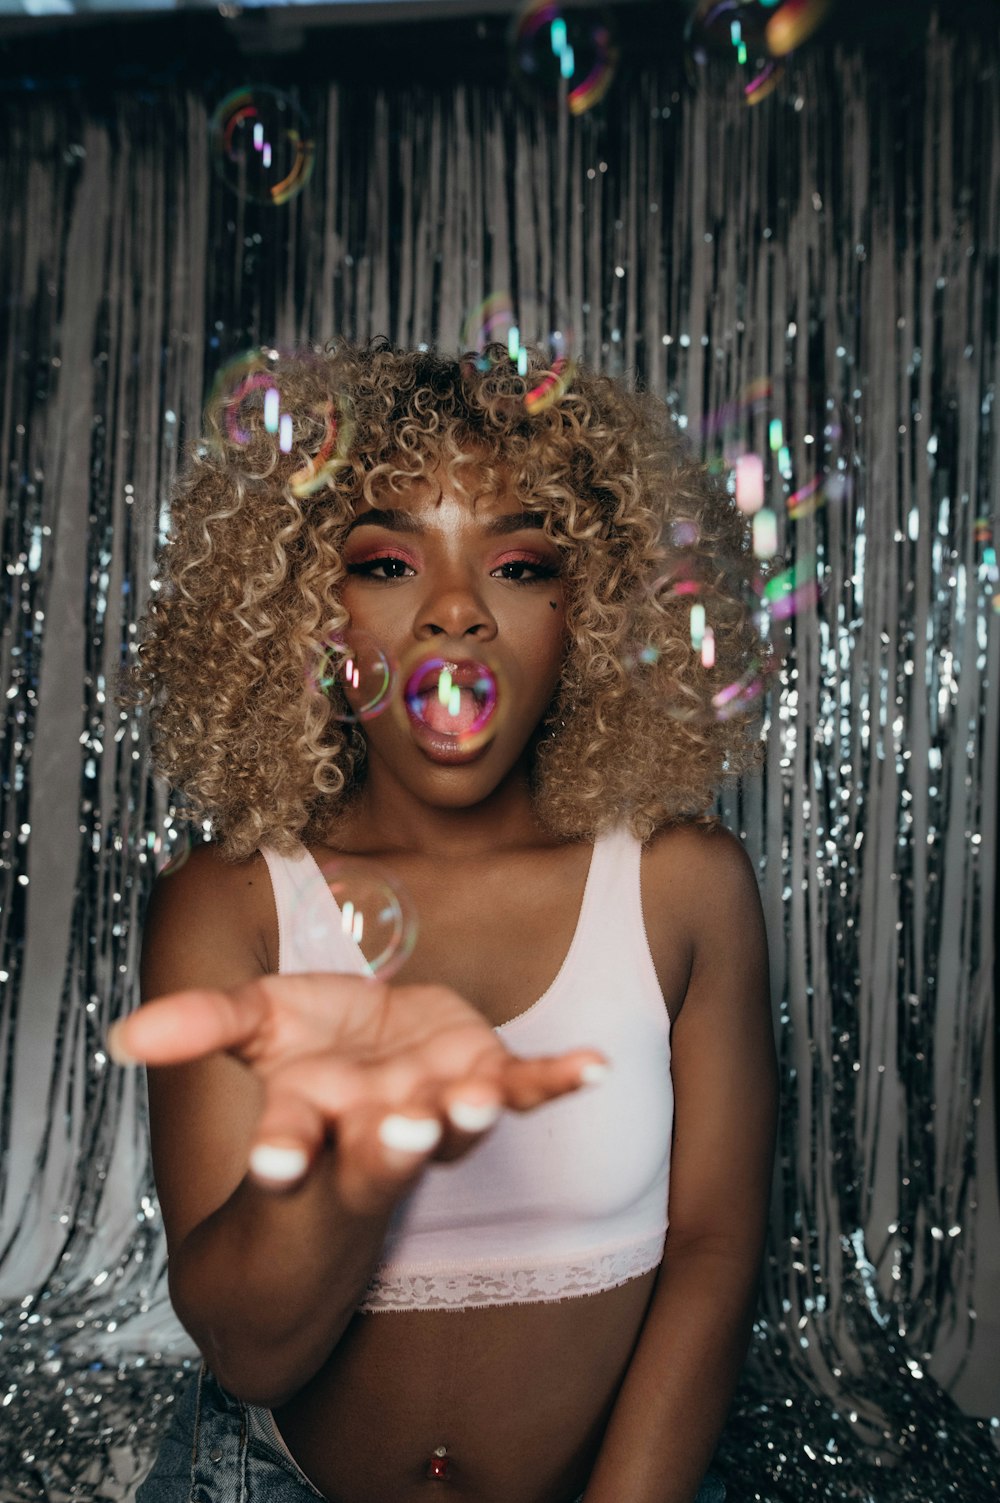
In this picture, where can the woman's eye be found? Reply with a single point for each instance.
(524, 571)
(387, 567)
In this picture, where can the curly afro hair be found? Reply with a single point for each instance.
(247, 597)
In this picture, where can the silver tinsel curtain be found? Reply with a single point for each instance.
(828, 257)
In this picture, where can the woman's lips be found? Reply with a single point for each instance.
(450, 704)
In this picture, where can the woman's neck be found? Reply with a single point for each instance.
(384, 817)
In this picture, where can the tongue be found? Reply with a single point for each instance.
(438, 717)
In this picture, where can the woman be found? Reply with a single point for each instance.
(442, 1151)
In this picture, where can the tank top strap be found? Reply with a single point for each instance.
(611, 917)
(310, 930)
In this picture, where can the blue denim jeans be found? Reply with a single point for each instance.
(217, 1449)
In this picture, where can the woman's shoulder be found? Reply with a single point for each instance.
(204, 871)
(695, 849)
(698, 872)
(206, 904)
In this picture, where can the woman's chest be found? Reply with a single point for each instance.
(500, 931)
(499, 937)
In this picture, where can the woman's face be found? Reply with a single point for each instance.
(473, 583)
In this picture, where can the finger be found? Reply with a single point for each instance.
(287, 1138)
(470, 1109)
(186, 1025)
(529, 1082)
(380, 1153)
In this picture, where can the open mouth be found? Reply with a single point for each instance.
(453, 701)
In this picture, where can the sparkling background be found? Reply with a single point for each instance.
(839, 240)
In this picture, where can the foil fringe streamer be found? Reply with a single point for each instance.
(839, 239)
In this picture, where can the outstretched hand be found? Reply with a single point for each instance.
(396, 1075)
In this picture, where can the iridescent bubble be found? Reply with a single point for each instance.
(793, 23)
(452, 705)
(501, 331)
(784, 453)
(261, 144)
(734, 30)
(564, 58)
(232, 395)
(754, 35)
(355, 906)
(332, 452)
(683, 532)
(169, 850)
(249, 405)
(355, 673)
(828, 470)
(792, 590)
(702, 608)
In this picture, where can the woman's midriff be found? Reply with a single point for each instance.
(520, 1396)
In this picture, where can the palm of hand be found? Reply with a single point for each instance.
(335, 1051)
(372, 1042)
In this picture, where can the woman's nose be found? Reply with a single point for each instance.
(453, 607)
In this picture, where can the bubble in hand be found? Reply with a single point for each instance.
(356, 908)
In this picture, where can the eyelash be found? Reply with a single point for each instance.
(366, 569)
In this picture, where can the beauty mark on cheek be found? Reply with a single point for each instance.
(552, 603)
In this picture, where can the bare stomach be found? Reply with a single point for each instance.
(520, 1396)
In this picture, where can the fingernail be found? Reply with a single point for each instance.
(270, 1161)
(473, 1116)
(410, 1134)
(593, 1073)
(119, 1054)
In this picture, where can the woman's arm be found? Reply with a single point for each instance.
(267, 1278)
(673, 1403)
(264, 1282)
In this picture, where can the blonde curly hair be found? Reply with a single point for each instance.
(247, 597)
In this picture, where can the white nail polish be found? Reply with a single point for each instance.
(593, 1073)
(280, 1164)
(472, 1116)
(410, 1134)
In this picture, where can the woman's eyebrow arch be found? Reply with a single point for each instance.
(405, 521)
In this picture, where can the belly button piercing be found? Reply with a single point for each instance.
(437, 1467)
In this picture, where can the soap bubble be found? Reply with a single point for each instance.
(332, 451)
(354, 901)
(700, 607)
(170, 850)
(261, 144)
(736, 31)
(754, 35)
(248, 404)
(792, 450)
(498, 332)
(356, 674)
(565, 59)
(453, 704)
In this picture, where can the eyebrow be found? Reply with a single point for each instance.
(405, 521)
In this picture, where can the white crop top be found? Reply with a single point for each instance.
(570, 1198)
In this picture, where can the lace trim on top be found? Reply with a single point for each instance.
(508, 1284)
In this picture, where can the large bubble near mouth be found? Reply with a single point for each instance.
(457, 702)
